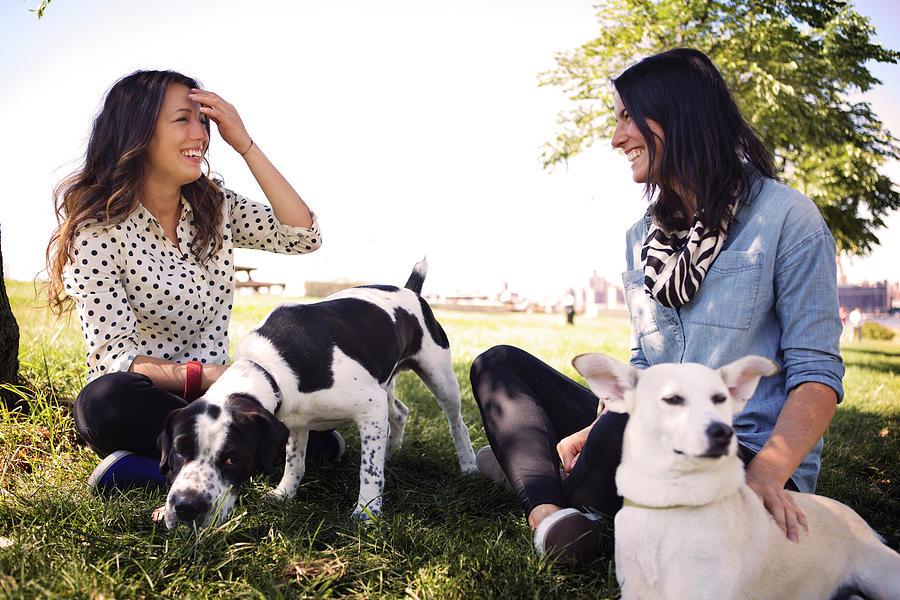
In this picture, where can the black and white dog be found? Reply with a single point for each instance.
(310, 367)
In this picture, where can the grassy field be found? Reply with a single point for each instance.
(443, 535)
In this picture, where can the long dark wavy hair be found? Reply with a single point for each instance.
(706, 139)
(107, 187)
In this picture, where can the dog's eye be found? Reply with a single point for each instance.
(719, 398)
(183, 446)
(674, 400)
(228, 461)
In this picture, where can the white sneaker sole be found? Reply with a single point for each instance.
(573, 524)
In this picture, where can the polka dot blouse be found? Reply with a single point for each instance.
(138, 294)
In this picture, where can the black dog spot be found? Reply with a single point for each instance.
(307, 334)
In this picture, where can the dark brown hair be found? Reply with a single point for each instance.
(707, 143)
(107, 187)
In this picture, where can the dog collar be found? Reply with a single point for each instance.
(632, 504)
(275, 389)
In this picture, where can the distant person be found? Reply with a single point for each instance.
(856, 319)
(144, 251)
(726, 262)
(845, 336)
(569, 306)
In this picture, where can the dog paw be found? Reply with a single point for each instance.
(365, 515)
(468, 468)
(275, 496)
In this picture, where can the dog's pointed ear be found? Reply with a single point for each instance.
(607, 377)
(743, 375)
(273, 439)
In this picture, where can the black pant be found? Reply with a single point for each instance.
(125, 411)
(527, 407)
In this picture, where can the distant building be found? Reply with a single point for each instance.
(876, 298)
(601, 295)
(604, 293)
(599, 289)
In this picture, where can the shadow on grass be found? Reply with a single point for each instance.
(861, 468)
(875, 356)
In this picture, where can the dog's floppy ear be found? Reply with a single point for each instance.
(273, 439)
(743, 375)
(609, 378)
(164, 442)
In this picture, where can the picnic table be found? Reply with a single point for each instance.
(259, 287)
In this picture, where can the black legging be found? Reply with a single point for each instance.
(527, 407)
(125, 411)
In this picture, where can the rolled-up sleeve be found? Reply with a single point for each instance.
(807, 306)
(95, 282)
(255, 226)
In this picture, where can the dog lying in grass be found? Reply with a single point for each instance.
(691, 527)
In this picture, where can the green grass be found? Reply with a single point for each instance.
(443, 535)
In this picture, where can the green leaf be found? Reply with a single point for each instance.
(793, 66)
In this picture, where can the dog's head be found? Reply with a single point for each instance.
(679, 411)
(210, 449)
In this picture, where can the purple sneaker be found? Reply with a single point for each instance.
(124, 470)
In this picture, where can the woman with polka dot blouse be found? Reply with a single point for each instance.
(144, 251)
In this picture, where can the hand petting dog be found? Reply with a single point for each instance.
(777, 501)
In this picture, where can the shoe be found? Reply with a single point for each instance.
(325, 446)
(489, 466)
(125, 470)
(568, 535)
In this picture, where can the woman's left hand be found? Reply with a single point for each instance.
(803, 419)
(226, 118)
(780, 505)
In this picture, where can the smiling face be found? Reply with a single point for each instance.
(180, 137)
(628, 138)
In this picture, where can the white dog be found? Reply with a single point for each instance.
(691, 528)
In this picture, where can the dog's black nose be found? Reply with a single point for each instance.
(189, 506)
(719, 435)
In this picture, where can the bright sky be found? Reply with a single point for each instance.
(410, 127)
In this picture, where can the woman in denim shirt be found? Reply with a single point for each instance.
(761, 281)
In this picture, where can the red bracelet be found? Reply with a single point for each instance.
(192, 378)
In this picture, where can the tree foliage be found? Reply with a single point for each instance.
(41, 8)
(794, 67)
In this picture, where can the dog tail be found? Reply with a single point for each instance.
(417, 277)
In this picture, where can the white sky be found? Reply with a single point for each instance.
(411, 127)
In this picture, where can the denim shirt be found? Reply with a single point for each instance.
(772, 291)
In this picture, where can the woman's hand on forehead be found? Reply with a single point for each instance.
(226, 118)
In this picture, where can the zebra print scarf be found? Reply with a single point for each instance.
(676, 262)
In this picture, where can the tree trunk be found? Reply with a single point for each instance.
(9, 343)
